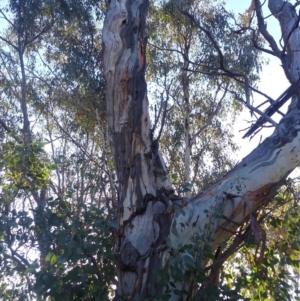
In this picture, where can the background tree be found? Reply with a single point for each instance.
(56, 190)
(177, 64)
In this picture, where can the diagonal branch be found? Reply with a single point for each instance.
(10, 131)
(263, 30)
(273, 108)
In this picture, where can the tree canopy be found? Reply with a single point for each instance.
(117, 171)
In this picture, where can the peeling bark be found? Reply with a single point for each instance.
(144, 222)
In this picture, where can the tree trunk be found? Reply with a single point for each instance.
(187, 110)
(144, 222)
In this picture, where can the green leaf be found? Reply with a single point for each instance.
(189, 261)
(32, 267)
(174, 231)
(51, 257)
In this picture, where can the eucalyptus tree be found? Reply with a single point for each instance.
(62, 188)
(150, 234)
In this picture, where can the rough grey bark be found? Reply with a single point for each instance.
(142, 194)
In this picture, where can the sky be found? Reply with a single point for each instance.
(272, 82)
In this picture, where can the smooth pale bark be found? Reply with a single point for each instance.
(252, 182)
(142, 193)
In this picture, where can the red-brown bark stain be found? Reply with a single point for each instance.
(142, 57)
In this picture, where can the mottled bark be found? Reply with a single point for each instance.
(144, 222)
(251, 183)
(142, 202)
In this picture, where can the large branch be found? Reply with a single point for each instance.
(250, 185)
(257, 178)
(220, 210)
